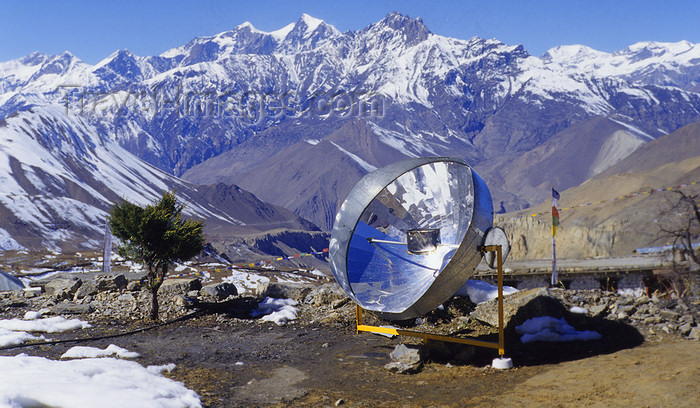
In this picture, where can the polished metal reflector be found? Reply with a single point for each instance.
(408, 235)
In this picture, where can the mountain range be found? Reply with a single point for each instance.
(296, 116)
(59, 179)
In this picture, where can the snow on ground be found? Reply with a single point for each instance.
(214, 265)
(94, 352)
(245, 281)
(11, 338)
(7, 242)
(275, 310)
(365, 165)
(637, 292)
(578, 310)
(35, 271)
(547, 328)
(103, 382)
(27, 381)
(480, 291)
(318, 273)
(16, 331)
(47, 325)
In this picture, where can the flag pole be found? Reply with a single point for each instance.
(555, 224)
(555, 278)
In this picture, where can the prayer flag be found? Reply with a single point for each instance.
(555, 197)
(555, 220)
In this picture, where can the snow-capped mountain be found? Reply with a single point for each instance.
(59, 179)
(651, 63)
(228, 107)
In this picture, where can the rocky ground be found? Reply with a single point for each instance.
(647, 356)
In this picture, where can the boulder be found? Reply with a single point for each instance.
(406, 354)
(406, 359)
(71, 308)
(400, 368)
(597, 310)
(134, 286)
(337, 304)
(101, 283)
(218, 291)
(284, 290)
(62, 288)
(685, 329)
(173, 287)
(325, 295)
(669, 315)
(694, 333)
(126, 297)
(525, 304)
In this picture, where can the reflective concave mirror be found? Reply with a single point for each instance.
(407, 236)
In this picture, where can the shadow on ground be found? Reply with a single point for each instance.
(615, 336)
(239, 308)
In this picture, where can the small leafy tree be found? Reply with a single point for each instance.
(156, 236)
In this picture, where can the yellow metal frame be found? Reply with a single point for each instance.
(452, 339)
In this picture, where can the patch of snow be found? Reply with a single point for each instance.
(47, 325)
(356, 158)
(411, 145)
(316, 272)
(103, 382)
(213, 265)
(245, 281)
(7, 243)
(36, 271)
(32, 315)
(94, 352)
(634, 130)
(280, 34)
(547, 328)
(636, 292)
(182, 267)
(279, 311)
(248, 25)
(157, 369)
(578, 310)
(11, 337)
(312, 23)
(480, 291)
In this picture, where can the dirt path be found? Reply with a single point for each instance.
(651, 375)
(241, 363)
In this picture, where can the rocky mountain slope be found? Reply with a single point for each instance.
(627, 212)
(60, 178)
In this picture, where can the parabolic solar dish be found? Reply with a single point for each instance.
(408, 235)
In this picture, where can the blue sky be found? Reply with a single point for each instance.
(92, 30)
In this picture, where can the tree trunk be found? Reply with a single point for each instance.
(154, 303)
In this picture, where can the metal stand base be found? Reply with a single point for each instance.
(452, 339)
